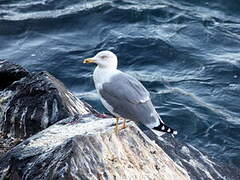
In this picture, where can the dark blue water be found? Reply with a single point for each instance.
(187, 54)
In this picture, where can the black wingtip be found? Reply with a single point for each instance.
(164, 128)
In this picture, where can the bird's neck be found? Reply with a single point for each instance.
(105, 69)
(103, 74)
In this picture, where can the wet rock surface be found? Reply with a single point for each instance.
(198, 164)
(90, 150)
(30, 102)
(36, 102)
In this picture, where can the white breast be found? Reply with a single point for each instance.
(101, 76)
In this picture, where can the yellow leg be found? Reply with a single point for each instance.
(124, 124)
(116, 125)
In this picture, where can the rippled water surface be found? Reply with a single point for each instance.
(187, 54)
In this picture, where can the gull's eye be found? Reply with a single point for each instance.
(103, 57)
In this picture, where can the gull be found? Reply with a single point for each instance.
(123, 95)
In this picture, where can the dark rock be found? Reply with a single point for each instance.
(86, 147)
(89, 150)
(6, 143)
(36, 102)
(32, 102)
(198, 164)
(9, 73)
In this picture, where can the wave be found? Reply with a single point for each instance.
(11, 12)
(168, 11)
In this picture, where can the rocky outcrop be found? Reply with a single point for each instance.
(30, 102)
(198, 164)
(62, 137)
(36, 102)
(90, 150)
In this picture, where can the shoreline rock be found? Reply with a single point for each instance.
(30, 102)
(90, 150)
(36, 102)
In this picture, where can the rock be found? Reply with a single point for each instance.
(36, 102)
(9, 73)
(198, 164)
(30, 102)
(89, 149)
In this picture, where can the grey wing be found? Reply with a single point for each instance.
(129, 98)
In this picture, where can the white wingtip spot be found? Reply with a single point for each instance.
(175, 132)
(163, 127)
(169, 130)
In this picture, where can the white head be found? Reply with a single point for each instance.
(104, 59)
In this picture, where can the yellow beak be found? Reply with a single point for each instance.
(89, 60)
